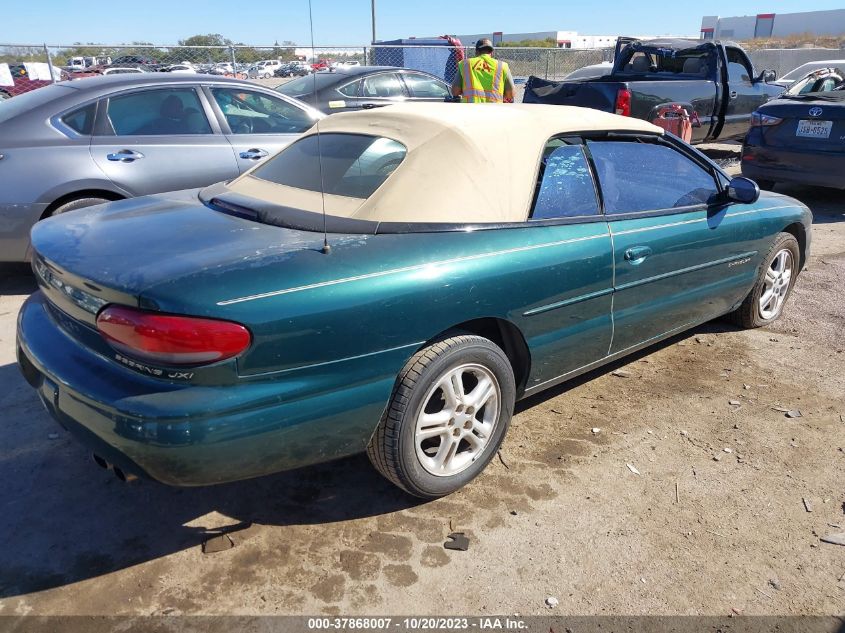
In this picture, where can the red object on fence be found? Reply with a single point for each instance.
(675, 119)
(456, 44)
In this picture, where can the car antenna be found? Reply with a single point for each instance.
(326, 248)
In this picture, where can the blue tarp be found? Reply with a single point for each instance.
(433, 56)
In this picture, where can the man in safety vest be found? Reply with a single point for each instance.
(482, 79)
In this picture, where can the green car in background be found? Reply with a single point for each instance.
(392, 282)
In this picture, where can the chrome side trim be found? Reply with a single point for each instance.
(568, 302)
(331, 362)
(704, 219)
(658, 226)
(405, 269)
(688, 269)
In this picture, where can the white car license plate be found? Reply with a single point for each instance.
(814, 129)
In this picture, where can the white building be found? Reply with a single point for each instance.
(564, 39)
(747, 27)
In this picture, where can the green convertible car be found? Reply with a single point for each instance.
(392, 282)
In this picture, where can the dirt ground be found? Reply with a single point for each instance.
(713, 519)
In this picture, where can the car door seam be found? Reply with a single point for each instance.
(612, 286)
(606, 359)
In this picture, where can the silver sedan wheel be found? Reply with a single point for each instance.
(776, 284)
(457, 419)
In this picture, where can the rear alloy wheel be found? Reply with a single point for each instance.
(774, 283)
(79, 203)
(448, 414)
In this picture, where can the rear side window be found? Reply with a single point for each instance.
(250, 112)
(636, 177)
(424, 87)
(158, 112)
(351, 89)
(385, 86)
(353, 165)
(81, 120)
(565, 187)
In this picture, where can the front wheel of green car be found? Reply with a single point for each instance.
(447, 416)
(774, 284)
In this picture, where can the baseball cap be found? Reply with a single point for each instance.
(483, 43)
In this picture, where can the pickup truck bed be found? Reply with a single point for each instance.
(713, 82)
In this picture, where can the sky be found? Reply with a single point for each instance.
(347, 22)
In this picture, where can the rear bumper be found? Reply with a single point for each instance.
(190, 435)
(821, 169)
(16, 221)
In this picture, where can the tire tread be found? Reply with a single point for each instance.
(383, 449)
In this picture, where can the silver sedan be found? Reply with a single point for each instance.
(75, 144)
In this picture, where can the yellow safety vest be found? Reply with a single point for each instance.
(482, 79)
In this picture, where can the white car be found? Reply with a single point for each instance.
(265, 69)
(804, 69)
(593, 70)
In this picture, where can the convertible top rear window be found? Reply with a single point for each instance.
(352, 165)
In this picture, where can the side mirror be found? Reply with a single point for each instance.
(743, 190)
(768, 75)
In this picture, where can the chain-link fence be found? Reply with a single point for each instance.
(25, 67)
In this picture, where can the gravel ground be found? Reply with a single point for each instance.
(713, 519)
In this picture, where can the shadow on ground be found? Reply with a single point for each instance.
(67, 520)
(16, 279)
(827, 205)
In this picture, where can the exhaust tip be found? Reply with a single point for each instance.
(124, 477)
(100, 461)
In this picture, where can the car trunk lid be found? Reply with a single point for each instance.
(814, 121)
(113, 253)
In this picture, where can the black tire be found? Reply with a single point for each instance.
(79, 203)
(392, 449)
(768, 185)
(748, 315)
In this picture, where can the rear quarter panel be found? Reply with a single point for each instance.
(382, 292)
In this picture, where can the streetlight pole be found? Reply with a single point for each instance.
(373, 9)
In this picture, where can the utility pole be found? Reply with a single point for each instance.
(373, 9)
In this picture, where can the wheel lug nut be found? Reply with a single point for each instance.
(468, 424)
(456, 432)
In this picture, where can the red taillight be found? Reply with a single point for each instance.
(623, 102)
(170, 339)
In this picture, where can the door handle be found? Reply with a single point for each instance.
(637, 254)
(254, 154)
(124, 156)
(733, 94)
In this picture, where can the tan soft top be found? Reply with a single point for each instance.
(465, 163)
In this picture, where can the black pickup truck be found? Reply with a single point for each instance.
(714, 82)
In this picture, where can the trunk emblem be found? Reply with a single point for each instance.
(815, 112)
